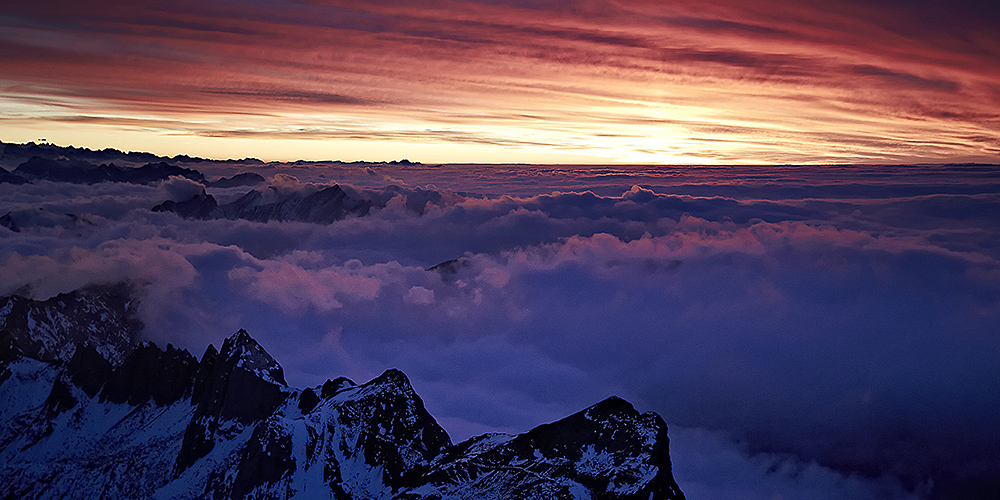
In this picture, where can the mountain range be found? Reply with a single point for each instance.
(327, 204)
(323, 207)
(89, 411)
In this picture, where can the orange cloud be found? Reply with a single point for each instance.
(689, 82)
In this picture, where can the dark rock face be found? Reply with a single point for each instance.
(150, 374)
(199, 206)
(9, 349)
(243, 383)
(307, 401)
(333, 387)
(163, 424)
(61, 398)
(329, 205)
(88, 369)
(103, 316)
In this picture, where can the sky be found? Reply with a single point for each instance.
(501, 81)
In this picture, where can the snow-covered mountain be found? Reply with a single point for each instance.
(161, 424)
(102, 317)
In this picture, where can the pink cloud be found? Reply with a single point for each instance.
(65, 270)
(294, 290)
(419, 295)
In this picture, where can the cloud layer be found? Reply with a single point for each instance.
(838, 325)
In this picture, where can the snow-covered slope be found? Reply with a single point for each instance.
(161, 424)
(101, 316)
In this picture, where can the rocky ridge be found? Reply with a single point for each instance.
(162, 424)
(325, 206)
(102, 318)
(30, 163)
(82, 172)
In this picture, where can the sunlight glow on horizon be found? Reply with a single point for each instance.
(465, 82)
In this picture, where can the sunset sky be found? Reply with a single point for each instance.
(821, 332)
(540, 81)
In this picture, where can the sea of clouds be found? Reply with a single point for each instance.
(807, 332)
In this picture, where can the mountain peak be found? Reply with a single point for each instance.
(391, 383)
(392, 376)
(249, 355)
(611, 406)
(242, 337)
(608, 449)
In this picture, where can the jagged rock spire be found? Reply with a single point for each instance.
(246, 353)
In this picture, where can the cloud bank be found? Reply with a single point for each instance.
(809, 333)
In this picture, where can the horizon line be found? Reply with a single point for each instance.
(406, 161)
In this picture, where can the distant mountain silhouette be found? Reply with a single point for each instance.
(323, 207)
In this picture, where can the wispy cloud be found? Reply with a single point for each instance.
(418, 63)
